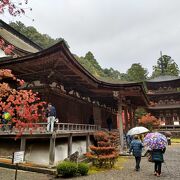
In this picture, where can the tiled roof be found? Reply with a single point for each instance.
(164, 78)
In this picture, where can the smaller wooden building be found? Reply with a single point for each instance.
(164, 94)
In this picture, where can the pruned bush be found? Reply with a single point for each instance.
(83, 169)
(67, 169)
(106, 151)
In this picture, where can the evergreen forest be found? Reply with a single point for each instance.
(136, 73)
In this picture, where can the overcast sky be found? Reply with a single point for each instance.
(118, 32)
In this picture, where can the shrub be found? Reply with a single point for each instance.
(83, 169)
(67, 169)
(106, 151)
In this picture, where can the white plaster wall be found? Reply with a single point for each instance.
(39, 153)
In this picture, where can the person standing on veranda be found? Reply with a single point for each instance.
(51, 116)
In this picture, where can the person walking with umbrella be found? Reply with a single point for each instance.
(156, 142)
(157, 158)
(136, 147)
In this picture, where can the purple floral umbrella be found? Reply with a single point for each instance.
(155, 140)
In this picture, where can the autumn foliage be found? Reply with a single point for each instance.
(149, 121)
(8, 49)
(24, 106)
(14, 8)
(105, 153)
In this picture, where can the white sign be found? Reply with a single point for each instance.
(18, 157)
(176, 122)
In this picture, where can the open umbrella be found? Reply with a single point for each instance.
(167, 133)
(137, 130)
(155, 140)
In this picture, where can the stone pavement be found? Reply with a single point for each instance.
(9, 174)
(170, 170)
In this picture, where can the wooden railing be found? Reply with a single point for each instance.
(170, 127)
(58, 128)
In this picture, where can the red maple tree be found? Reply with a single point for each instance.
(8, 49)
(24, 106)
(14, 8)
(149, 121)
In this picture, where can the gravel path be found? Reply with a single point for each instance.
(170, 170)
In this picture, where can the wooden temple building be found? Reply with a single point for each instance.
(59, 78)
(164, 95)
(62, 80)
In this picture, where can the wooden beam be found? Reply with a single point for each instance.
(120, 124)
(126, 118)
(87, 142)
(52, 149)
(23, 144)
(70, 144)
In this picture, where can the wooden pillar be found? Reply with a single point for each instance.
(70, 144)
(120, 124)
(131, 117)
(134, 123)
(87, 142)
(126, 118)
(23, 144)
(52, 149)
(119, 97)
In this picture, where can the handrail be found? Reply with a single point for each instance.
(59, 127)
(169, 127)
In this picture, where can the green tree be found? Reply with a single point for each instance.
(139, 113)
(30, 32)
(136, 73)
(114, 74)
(165, 66)
(124, 77)
(91, 64)
(90, 57)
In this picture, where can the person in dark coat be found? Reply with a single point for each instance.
(157, 158)
(136, 147)
(109, 123)
(128, 140)
(91, 119)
